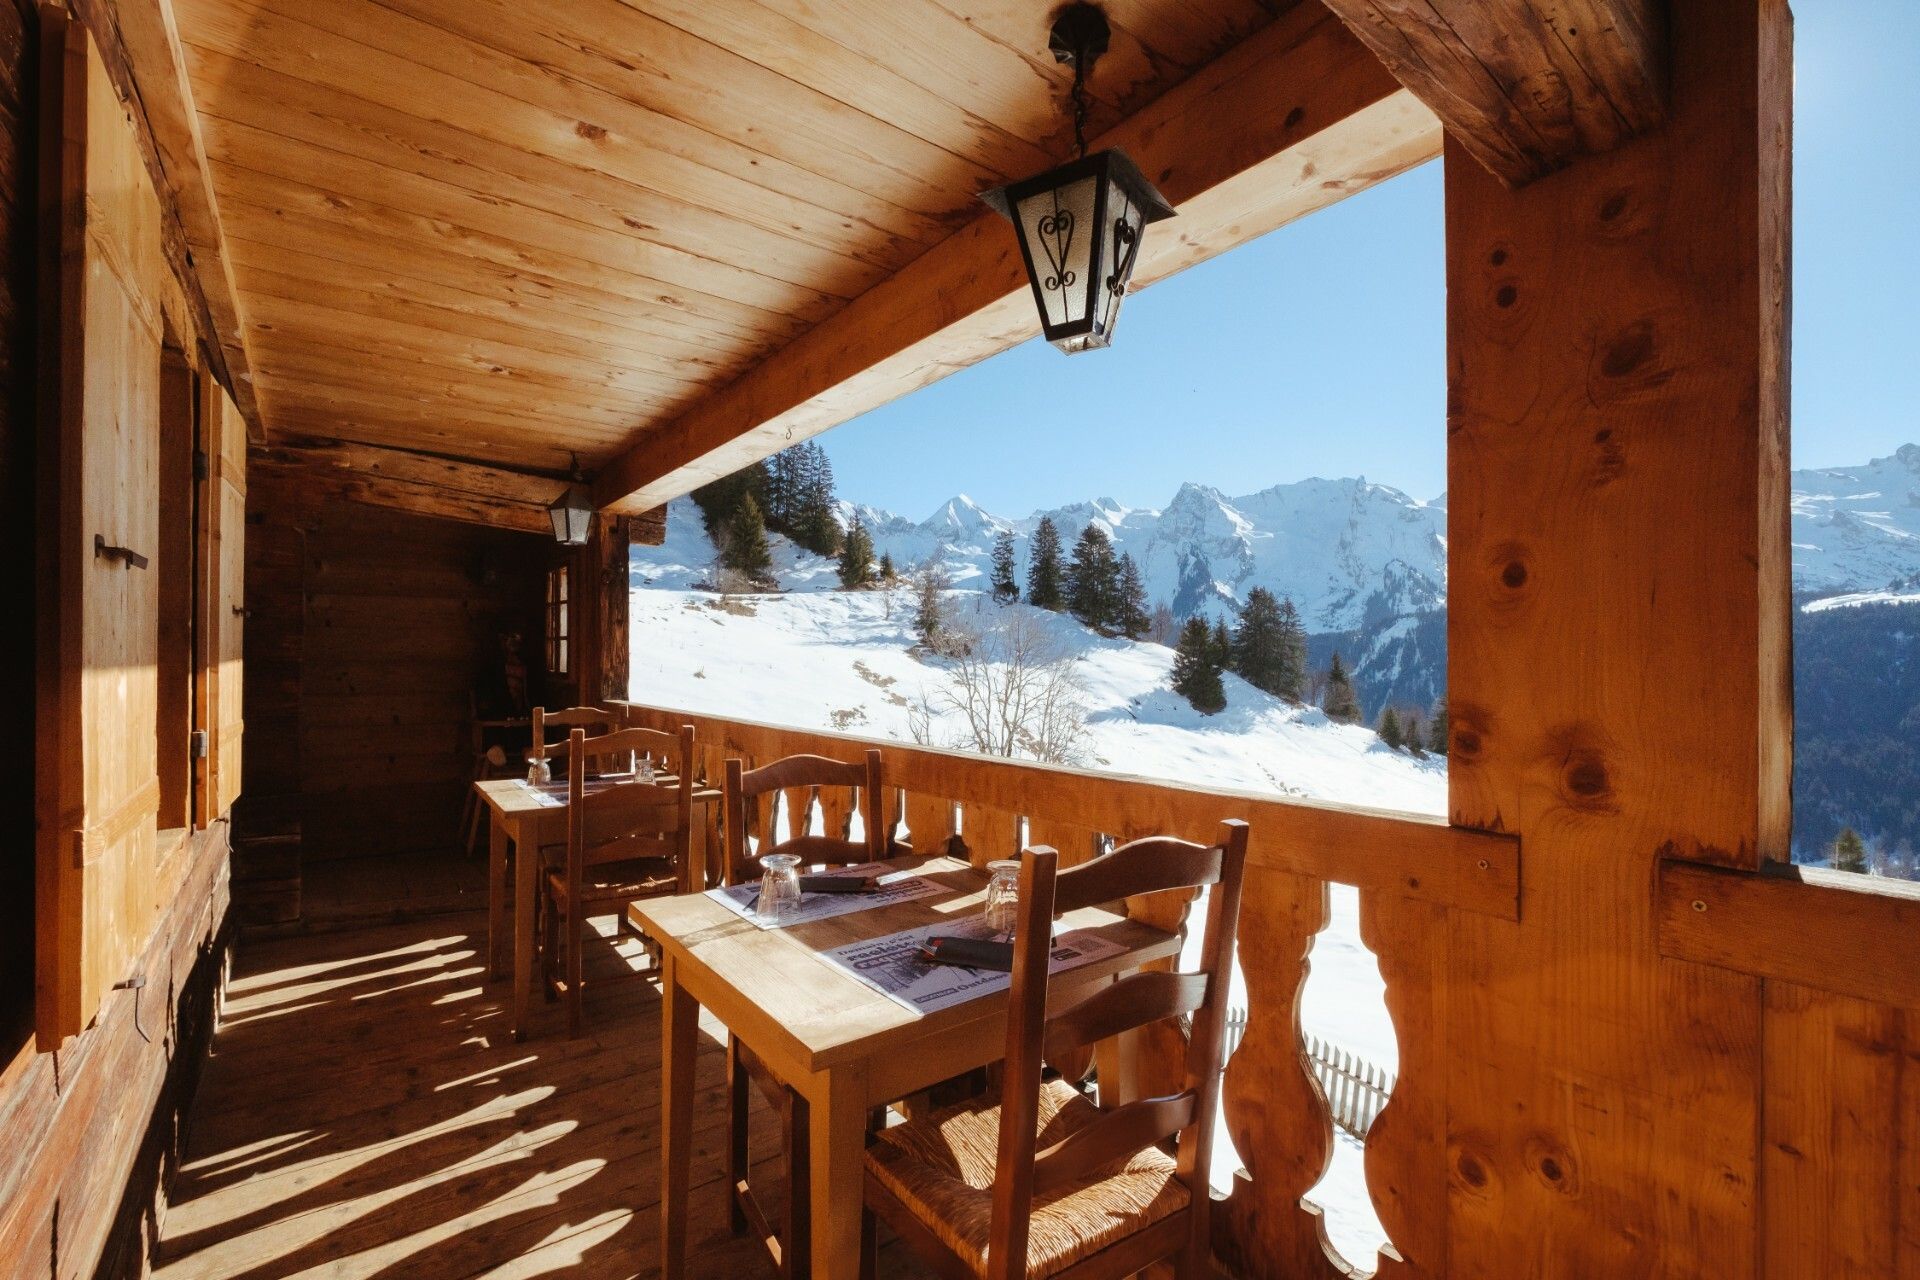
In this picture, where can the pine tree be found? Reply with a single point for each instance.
(719, 500)
(887, 572)
(1196, 671)
(1222, 645)
(1005, 589)
(1259, 641)
(744, 548)
(1093, 580)
(1415, 736)
(1438, 730)
(1044, 587)
(1849, 852)
(1341, 701)
(782, 483)
(930, 583)
(812, 522)
(1290, 670)
(1133, 619)
(1390, 732)
(856, 557)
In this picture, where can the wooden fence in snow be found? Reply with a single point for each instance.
(1356, 1089)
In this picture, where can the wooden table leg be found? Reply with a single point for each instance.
(497, 947)
(526, 864)
(837, 1139)
(679, 1028)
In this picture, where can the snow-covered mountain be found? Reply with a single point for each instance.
(1349, 553)
(1365, 563)
(1857, 529)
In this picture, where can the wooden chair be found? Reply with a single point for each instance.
(799, 779)
(1040, 1182)
(596, 722)
(626, 841)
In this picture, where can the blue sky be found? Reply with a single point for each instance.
(1320, 349)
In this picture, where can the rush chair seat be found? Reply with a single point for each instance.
(1039, 1182)
(795, 776)
(625, 841)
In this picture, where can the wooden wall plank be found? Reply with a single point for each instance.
(1846, 934)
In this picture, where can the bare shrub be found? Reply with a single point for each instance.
(1015, 688)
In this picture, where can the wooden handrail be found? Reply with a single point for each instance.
(1417, 856)
(1828, 930)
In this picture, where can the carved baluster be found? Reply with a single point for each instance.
(1276, 1112)
(836, 811)
(990, 834)
(1406, 1148)
(930, 823)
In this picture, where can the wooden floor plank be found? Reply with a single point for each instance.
(365, 1113)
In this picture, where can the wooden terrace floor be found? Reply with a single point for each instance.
(365, 1113)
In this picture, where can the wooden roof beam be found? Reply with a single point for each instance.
(1292, 119)
(1525, 85)
(146, 45)
(426, 484)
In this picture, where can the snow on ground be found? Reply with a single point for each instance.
(841, 661)
(825, 659)
(1855, 599)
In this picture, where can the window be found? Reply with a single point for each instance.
(558, 610)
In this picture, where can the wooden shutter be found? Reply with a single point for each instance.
(97, 790)
(226, 506)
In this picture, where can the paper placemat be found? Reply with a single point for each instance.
(892, 966)
(895, 886)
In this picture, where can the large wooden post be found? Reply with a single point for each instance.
(603, 575)
(1619, 667)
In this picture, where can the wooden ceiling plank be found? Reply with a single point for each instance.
(463, 86)
(240, 148)
(389, 245)
(381, 374)
(459, 475)
(156, 63)
(509, 448)
(381, 307)
(295, 321)
(952, 86)
(400, 404)
(322, 117)
(246, 188)
(594, 43)
(1294, 118)
(1525, 85)
(661, 338)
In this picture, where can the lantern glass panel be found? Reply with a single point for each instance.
(1058, 227)
(1118, 249)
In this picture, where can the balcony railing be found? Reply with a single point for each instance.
(1416, 877)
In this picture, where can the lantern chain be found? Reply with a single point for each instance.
(1080, 104)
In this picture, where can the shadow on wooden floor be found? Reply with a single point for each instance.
(366, 1113)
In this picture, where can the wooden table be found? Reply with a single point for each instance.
(842, 1045)
(519, 817)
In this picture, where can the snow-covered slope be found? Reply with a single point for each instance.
(841, 660)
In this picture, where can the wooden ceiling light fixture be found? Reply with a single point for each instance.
(1080, 224)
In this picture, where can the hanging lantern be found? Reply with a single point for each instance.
(572, 512)
(1079, 225)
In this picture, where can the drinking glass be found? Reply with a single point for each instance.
(779, 888)
(1003, 897)
(539, 772)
